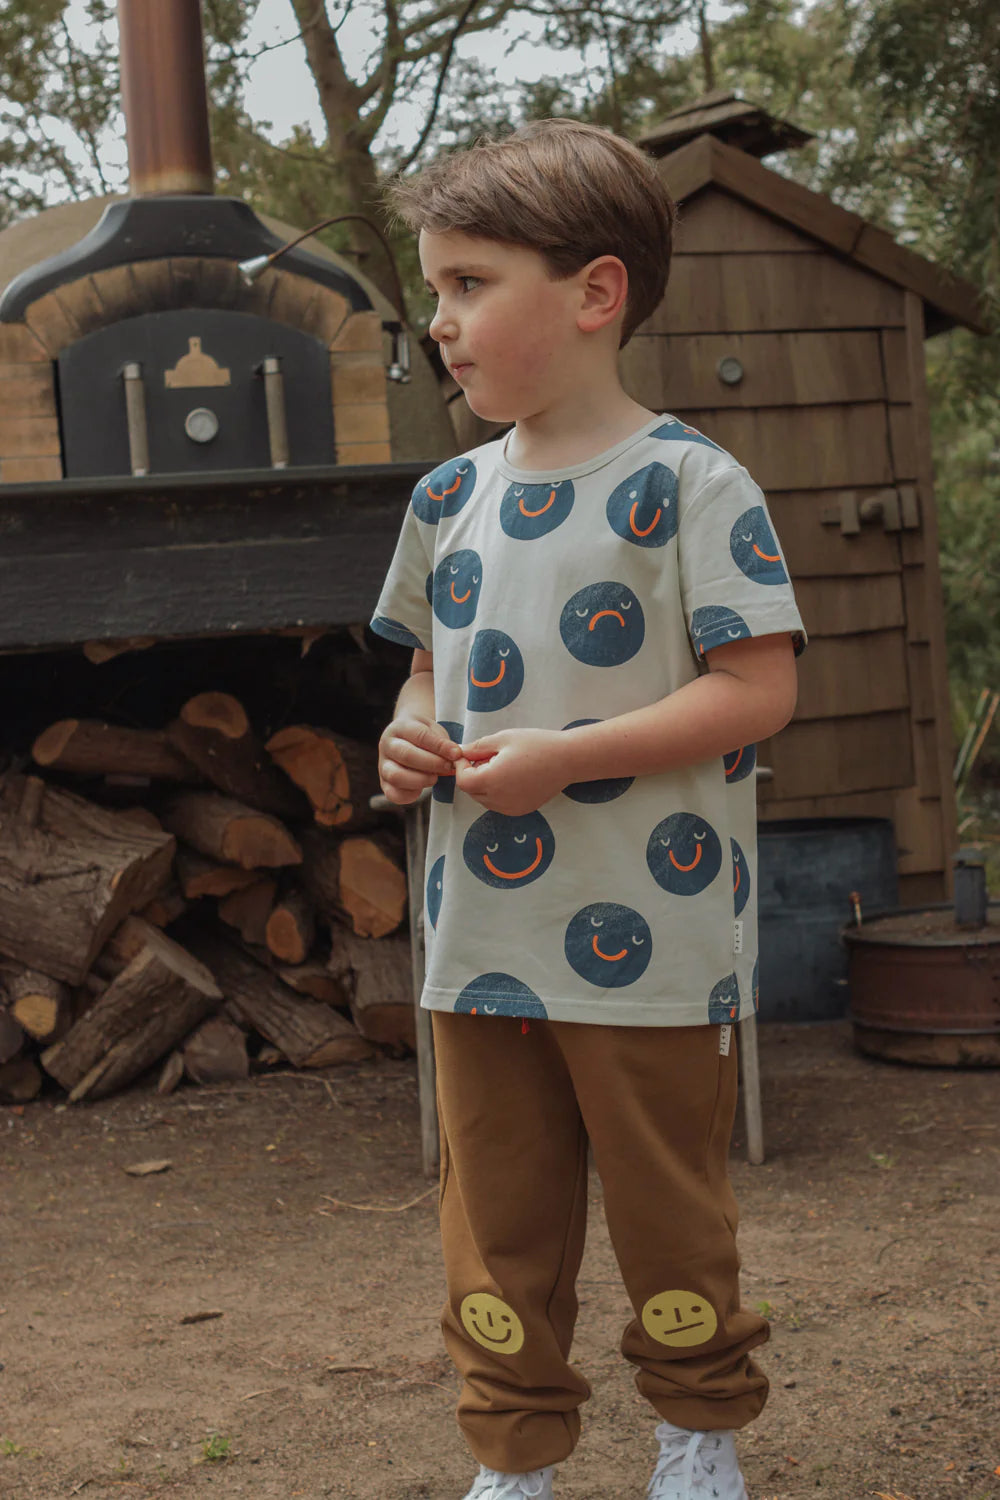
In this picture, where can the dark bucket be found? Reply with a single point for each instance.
(807, 869)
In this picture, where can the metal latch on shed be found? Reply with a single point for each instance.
(897, 510)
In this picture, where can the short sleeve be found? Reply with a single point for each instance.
(733, 577)
(403, 613)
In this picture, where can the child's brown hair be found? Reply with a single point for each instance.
(570, 191)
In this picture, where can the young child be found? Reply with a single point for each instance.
(602, 628)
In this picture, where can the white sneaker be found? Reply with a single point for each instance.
(696, 1466)
(492, 1485)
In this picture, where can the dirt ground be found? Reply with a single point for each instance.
(225, 1329)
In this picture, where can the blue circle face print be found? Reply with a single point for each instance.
(528, 511)
(716, 625)
(509, 852)
(643, 508)
(602, 625)
(499, 995)
(684, 854)
(443, 789)
(724, 1001)
(608, 945)
(444, 492)
(602, 790)
(755, 551)
(741, 879)
(496, 672)
(453, 588)
(675, 432)
(397, 632)
(435, 890)
(740, 764)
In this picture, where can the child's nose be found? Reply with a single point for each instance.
(441, 325)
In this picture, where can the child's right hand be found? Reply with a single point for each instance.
(412, 753)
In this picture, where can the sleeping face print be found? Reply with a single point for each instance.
(529, 511)
(495, 672)
(608, 944)
(684, 854)
(453, 588)
(445, 491)
(715, 625)
(508, 853)
(643, 508)
(754, 549)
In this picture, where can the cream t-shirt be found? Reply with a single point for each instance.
(555, 599)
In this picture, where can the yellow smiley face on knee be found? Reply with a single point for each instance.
(491, 1323)
(680, 1319)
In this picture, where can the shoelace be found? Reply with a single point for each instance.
(492, 1485)
(681, 1466)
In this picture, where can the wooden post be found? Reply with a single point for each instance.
(750, 1078)
(415, 819)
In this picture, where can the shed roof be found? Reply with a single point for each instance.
(707, 161)
(731, 119)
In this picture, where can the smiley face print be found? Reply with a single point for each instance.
(491, 1323)
(602, 625)
(499, 995)
(684, 854)
(643, 508)
(443, 789)
(680, 1319)
(609, 945)
(495, 672)
(453, 588)
(739, 764)
(716, 625)
(528, 511)
(602, 790)
(673, 431)
(508, 853)
(396, 632)
(444, 492)
(435, 890)
(741, 879)
(724, 1001)
(755, 551)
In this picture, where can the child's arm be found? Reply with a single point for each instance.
(747, 694)
(414, 750)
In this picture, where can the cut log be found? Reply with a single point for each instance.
(199, 876)
(216, 1052)
(91, 748)
(314, 979)
(166, 906)
(124, 944)
(248, 910)
(231, 832)
(142, 817)
(309, 1034)
(382, 991)
(154, 1002)
(213, 732)
(337, 774)
(68, 882)
(41, 1005)
(170, 1074)
(360, 881)
(20, 1081)
(291, 928)
(11, 1037)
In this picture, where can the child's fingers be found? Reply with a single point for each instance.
(406, 753)
(397, 778)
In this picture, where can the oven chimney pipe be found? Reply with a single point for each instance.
(164, 97)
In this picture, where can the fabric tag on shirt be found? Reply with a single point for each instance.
(725, 1037)
(737, 936)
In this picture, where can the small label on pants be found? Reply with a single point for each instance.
(737, 936)
(725, 1037)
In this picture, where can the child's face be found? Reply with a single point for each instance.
(508, 331)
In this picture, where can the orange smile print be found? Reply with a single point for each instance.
(475, 680)
(541, 510)
(652, 525)
(678, 866)
(516, 874)
(466, 595)
(609, 958)
(767, 556)
(445, 493)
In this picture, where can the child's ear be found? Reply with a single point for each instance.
(604, 288)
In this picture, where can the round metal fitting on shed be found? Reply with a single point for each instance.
(201, 424)
(729, 370)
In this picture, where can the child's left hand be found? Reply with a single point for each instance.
(515, 770)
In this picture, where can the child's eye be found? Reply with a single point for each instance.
(468, 283)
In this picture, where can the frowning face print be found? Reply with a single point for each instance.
(602, 625)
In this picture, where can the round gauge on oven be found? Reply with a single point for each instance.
(201, 424)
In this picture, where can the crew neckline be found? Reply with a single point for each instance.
(574, 471)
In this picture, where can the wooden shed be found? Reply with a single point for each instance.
(793, 334)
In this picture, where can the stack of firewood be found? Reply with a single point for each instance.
(214, 902)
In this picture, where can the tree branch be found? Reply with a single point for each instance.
(459, 27)
(85, 126)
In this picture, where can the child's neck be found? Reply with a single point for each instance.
(567, 433)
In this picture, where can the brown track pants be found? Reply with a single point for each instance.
(517, 1103)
